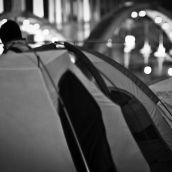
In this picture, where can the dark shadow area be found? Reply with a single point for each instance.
(85, 116)
(154, 149)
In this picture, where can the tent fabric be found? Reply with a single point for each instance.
(143, 110)
(149, 129)
(119, 80)
(31, 134)
(124, 149)
(163, 89)
(100, 59)
(42, 127)
(85, 115)
(153, 148)
(154, 130)
(118, 136)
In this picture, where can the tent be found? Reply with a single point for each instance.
(62, 116)
(140, 108)
(54, 117)
(143, 111)
(31, 134)
(163, 89)
(140, 111)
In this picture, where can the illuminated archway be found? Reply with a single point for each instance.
(149, 25)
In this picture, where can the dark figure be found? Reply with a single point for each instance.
(11, 37)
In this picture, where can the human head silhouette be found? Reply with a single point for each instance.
(10, 31)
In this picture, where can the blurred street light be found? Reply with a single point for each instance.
(129, 45)
(146, 51)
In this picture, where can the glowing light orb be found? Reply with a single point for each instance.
(170, 72)
(134, 14)
(147, 70)
(142, 13)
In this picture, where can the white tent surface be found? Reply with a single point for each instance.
(145, 114)
(120, 78)
(124, 149)
(32, 135)
(163, 90)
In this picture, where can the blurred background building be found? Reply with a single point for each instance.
(137, 33)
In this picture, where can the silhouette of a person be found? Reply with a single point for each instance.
(11, 37)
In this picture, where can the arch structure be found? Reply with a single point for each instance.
(111, 23)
